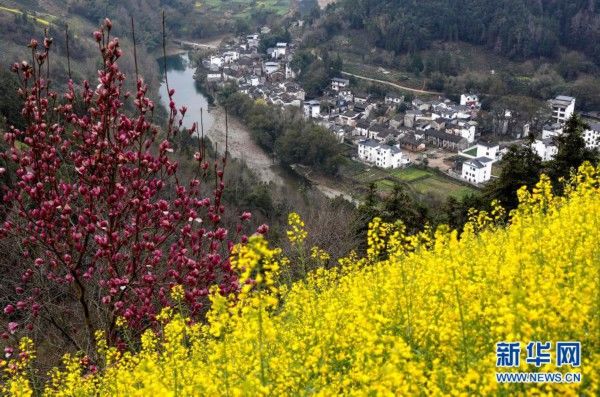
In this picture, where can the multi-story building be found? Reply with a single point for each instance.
(384, 156)
(477, 170)
(563, 108)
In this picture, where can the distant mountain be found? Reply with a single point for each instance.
(518, 29)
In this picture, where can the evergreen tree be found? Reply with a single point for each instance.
(401, 206)
(521, 166)
(571, 150)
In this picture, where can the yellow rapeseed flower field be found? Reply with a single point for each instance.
(418, 315)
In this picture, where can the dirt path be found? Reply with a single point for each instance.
(393, 84)
(241, 146)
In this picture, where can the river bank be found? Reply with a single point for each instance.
(240, 145)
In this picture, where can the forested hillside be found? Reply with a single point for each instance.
(515, 28)
(22, 20)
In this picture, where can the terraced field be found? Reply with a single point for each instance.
(38, 19)
(422, 181)
(242, 7)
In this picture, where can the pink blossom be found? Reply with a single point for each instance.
(120, 228)
(12, 327)
(262, 229)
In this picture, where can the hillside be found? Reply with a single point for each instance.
(20, 21)
(530, 49)
(518, 29)
(417, 315)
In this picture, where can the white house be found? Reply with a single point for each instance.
(469, 130)
(338, 83)
(278, 51)
(478, 170)
(362, 128)
(346, 95)
(466, 130)
(563, 108)
(216, 61)
(230, 56)
(361, 97)
(214, 77)
(394, 99)
(253, 40)
(551, 130)
(483, 149)
(384, 156)
(312, 108)
(289, 72)
(349, 117)
(545, 148)
(591, 136)
(271, 67)
(470, 100)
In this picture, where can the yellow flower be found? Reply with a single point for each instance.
(177, 292)
(296, 233)
(420, 315)
(120, 322)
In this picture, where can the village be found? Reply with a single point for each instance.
(388, 132)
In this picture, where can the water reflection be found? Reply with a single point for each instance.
(187, 91)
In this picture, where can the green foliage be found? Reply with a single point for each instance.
(399, 205)
(10, 102)
(285, 133)
(521, 166)
(309, 144)
(514, 28)
(271, 39)
(316, 71)
(147, 15)
(571, 150)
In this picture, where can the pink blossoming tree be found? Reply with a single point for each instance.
(104, 225)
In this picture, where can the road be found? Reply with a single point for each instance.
(393, 84)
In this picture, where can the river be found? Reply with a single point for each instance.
(180, 74)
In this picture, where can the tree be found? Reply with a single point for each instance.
(10, 105)
(521, 166)
(401, 206)
(102, 226)
(572, 151)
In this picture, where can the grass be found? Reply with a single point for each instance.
(422, 181)
(19, 12)
(471, 152)
(244, 7)
(440, 184)
(410, 174)
(385, 185)
(496, 168)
